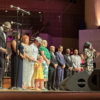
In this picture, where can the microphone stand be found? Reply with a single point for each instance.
(16, 67)
(20, 43)
(20, 38)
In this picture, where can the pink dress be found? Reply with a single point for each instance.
(82, 63)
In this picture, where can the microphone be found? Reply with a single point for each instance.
(26, 12)
(16, 23)
(17, 8)
(95, 51)
(7, 27)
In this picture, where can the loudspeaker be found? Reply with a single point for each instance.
(94, 80)
(77, 82)
(82, 25)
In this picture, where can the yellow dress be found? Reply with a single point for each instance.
(38, 72)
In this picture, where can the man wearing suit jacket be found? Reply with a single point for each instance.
(52, 69)
(61, 66)
(68, 63)
(3, 50)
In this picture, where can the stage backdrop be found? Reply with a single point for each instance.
(92, 35)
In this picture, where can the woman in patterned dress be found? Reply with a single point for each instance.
(46, 56)
(89, 56)
(27, 65)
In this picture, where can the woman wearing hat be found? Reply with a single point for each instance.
(89, 55)
(27, 62)
(46, 56)
(34, 48)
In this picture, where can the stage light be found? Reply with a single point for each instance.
(6, 11)
(71, 52)
(39, 12)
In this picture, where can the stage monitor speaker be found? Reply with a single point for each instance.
(94, 80)
(82, 25)
(77, 82)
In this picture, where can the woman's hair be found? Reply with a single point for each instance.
(43, 43)
(87, 45)
(39, 57)
(14, 34)
(60, 46)
(24, 37)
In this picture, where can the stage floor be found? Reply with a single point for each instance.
(48, 95)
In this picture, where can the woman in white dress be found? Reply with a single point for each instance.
(27, 65)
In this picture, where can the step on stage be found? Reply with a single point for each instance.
(45, 95)
(48, 95)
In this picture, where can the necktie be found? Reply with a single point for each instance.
(53, 55)
(69, 57)
(62, 55)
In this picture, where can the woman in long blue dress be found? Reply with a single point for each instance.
(15, 78)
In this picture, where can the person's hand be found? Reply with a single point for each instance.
(23, 57)
(70, 68)
(37, 67)
(31, 59)
(63, 66)
(7, 58)
(48, 63)
(4, 50)
(55, 65)
(93, 50)
(77, 69)
(97, 54)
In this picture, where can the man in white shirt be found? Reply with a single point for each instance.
(76, 61)
(34, 47)
(3, 51)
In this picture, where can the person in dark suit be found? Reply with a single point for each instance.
(52, 69)
(69, 64)
(60, 67)
(3, 51)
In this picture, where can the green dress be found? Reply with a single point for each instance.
(44, 64)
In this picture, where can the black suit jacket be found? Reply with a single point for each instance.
(3, 45)
(53, 61)
(68, 62)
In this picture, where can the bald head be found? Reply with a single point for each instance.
(52, 49)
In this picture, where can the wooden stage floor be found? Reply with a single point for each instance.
(48, 95)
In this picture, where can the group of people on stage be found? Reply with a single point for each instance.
(38, 68)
